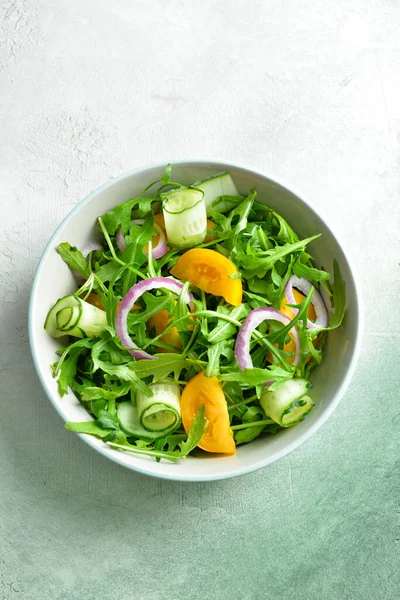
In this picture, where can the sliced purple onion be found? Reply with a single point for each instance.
(255, 318)
(157, 252)
(136, 291)
(305, 286)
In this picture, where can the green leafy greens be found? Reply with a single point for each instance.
(266, 252)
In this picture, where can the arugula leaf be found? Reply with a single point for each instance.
(170, 442)
(236, 221)
(280, 334)
(165, 178)
(109, 271)
(285, 232)
(162, 367)
(120, 216)
(302, 270)
(232, 391)
(224, 330)
(154, 304)
(338, 302)
(172, 456)
(243, 436)
(90, 393)
(138, 237)
(74, 259)
(255, 376)
(258, 286)
(213, 354)
(258, 264)
(110, 302)
(107, 421)
(253, 413)
(196, 432)
(89, 427)
(66, 368)
(120, 371)
(255, 300)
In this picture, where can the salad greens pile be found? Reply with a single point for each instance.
(261, 397)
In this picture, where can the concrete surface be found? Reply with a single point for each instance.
(308, 91)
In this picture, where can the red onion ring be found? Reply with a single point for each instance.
(129, 300)
(305, 286)
(157, 252)
(255, 318)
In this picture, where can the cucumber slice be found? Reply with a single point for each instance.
(72, 316)
(162, 411)
(128, 418)
(67, 318)
(289, 404)
(185, 217)
(50, 324)
(215, 186)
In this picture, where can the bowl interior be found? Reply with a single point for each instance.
(54, 280)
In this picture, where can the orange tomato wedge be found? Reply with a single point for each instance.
(95, 300)
(298, 296)
(159, 322)
(286, 310)
(218, 435)
(211, 272)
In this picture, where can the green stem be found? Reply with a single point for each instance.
(212, 243)
(264, 241)
(252, 424)
(190, 342)
(155, 453)
(204, 301)
(113, 253)
(243, 402)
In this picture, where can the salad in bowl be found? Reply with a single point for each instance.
(197, 319)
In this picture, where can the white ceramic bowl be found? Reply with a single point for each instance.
(54, 280)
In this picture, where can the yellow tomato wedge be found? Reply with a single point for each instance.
(159, 322)
(286, 310)
(211, 272)
(218, 435)
(95, 300)
(298, 296)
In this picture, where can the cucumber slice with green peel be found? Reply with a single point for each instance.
(215, 186)
(289, 404)
(162, 411)
(185, 217)
(67, 318)
(72, 316)
(128, 418)
(50, 324)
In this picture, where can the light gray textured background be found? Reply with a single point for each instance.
(307, 91)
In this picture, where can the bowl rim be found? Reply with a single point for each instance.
(308, 433)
